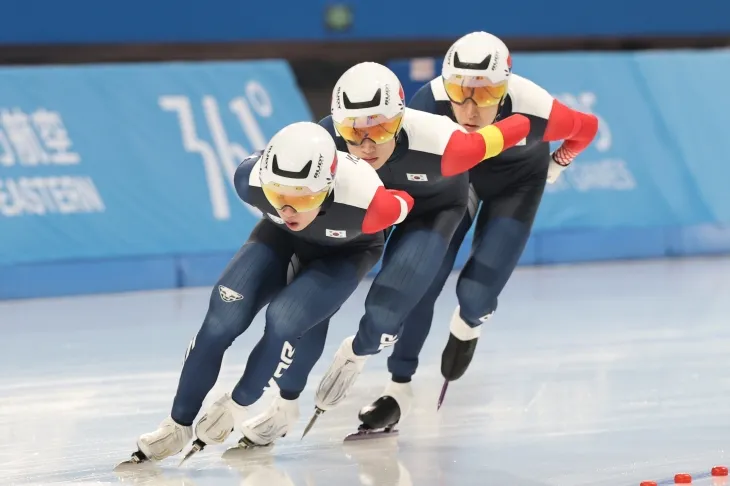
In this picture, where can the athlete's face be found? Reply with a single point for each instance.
(297, 221)
(374, 154)
(471, 117)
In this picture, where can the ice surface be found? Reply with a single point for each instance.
(603, 374)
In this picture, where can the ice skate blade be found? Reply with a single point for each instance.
(198, 445)
(137, 461)
(245, 455)
(372, 435)
(317, 412)
(442, 395)
(247, 444)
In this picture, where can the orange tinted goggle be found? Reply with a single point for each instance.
(377, 128)
(300, 199)
(479, 89)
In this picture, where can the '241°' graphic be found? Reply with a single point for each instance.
(222, 157)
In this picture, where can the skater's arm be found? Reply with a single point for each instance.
(462, 151)
(576, 128)
(466, 150)
(388, 207)
(424, 100)
(244, 173)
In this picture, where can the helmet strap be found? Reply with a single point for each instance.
(499, 109)
(397, 137)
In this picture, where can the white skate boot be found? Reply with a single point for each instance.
(337, 380)
(271, 424)
(168, 440)
(340, 376)
(219, 420)
(217, 424)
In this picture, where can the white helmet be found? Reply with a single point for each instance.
(477, 60)
(299, 162)
(368, 102)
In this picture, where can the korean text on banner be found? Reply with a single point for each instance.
(114, 161)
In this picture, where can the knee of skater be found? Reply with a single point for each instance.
(384, 318)
(509, 228)
(283, 326)
(218, 331)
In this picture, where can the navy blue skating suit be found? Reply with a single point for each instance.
(415, 248)
(509, 188)
(304, 276)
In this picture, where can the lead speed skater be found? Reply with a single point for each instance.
(324, 216)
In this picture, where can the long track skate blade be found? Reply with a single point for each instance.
(128, 464)
(442, 394)
(136, 459)
(246, 452)
(371, 435)
(317, 413)
(246, 444)
(198, 445)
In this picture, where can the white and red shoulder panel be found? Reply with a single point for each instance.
(428, 132)
(357, 184)
(387, 208)
(563, 123)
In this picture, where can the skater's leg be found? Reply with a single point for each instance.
(502, 230)
(403, 361)
(414, 255)
(247, 283)
(501, 233)
(313, 296)
(413, 258)
(395, 402)
(309, 350)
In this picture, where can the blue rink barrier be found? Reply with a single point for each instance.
(117, 178)
(120, 177)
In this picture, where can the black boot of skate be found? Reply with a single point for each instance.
(380, 417)
(460, 347)
(457, 357)
(383, 413)
(459, 351)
